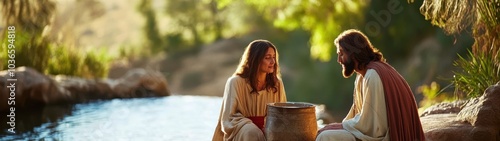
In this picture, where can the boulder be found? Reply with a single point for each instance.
(140, 83)
(33, 88)
(83, 90)
(444, 108)
(478, 119)
(444, 127)
(484, 113)
(135, 83)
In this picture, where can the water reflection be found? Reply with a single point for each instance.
(166, 118)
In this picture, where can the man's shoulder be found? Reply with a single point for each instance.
(371, 73)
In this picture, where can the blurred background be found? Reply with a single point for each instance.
(196, 45)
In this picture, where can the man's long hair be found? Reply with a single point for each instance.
(358, 47)
(250, 63)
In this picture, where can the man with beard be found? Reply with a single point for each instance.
(384, 107)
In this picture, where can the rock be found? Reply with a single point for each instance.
(479, 119)
(33, 88)
(444, 127)
(135, 83)
(140, 83)
(83, 90)
(444, 108)
(484, 112)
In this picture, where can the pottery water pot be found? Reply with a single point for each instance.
(291, 121)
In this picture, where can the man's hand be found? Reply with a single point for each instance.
(331, 126)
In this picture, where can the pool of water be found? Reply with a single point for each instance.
(191, 118)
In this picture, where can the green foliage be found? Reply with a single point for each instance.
(324, 19)
(64, 62)
(452, 16)
(489, 12)
(190, 24)
(479, 72)
(96, 64)
(29, 50)
(32, 16)
(33, 49)
(455, 16)
(482, 67)
(432, 95)
(130, 52)
(49, 58)
(400, 33)
(479, 15)
(70, 62)
(385, 23)
(193, 16)
(153, 37)
(29, 20)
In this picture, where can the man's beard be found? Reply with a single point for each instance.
(348, 68)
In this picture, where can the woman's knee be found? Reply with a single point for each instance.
(251, 131)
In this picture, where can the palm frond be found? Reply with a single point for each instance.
(451, 15)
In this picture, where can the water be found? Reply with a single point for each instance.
(172, 118)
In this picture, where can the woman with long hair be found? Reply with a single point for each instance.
(255, 83)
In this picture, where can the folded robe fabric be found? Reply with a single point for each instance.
(402, 115)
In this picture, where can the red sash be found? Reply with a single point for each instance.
(258, 120)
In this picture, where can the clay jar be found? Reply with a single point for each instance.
(291, 121)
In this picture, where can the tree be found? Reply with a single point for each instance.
(190, 24)
(200, 18)
(153, 37)
(29, 19)
(33, 16)
(323, 19)
(36, 32)
(482, 17)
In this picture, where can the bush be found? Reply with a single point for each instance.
(29, 51)
(64, 62)
(478, 73)
(96, 64)
(49, 58)
(70, 62)
(433, 94)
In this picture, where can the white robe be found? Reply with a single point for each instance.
(367, 119)
(238, 104)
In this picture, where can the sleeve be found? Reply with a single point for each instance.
(231, 120)
(352, 111)
(371, 122)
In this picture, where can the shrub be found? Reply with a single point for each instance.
(433, 94)
(477, 73)
(50, 58)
